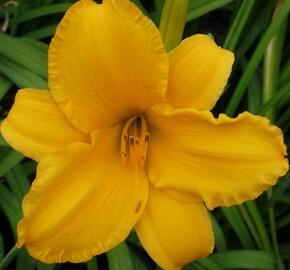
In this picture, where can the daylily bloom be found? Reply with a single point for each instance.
(124, 139)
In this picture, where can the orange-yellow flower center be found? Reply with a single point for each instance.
(135, 140)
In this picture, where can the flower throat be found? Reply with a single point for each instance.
(135, 140)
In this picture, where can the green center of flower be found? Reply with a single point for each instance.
(135, 140)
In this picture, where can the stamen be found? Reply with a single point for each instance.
(125, 136)
(132, 149)
(135, 140)
(145, 148)
(124, 147)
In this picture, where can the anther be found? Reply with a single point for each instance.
(147, 138)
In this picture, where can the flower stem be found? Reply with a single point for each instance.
(8, 258)
(173, 19)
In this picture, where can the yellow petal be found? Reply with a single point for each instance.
(36, 126)
(83, 202)
(198, 73)
(174, 233)
(222, 161)
(106, 62)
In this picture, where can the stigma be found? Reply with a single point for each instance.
(135, 141)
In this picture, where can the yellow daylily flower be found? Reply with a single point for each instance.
(124, 138)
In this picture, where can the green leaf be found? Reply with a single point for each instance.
(256, 58)
(17, 181)
(251, 225)
(275, 99)
(24, 261)
(10, 207)
(2, 250)
(41, 46)
(220, 241)
(244, 259)
(259, 222)
(42, 266)
(44, 32)
(9, 160)
(139, 4)
(156, 15)
(285, 73)
(283, 199)
(24, 54)
(284, 118)
(20, 75)
(119, 258)
(43, 11)
(209, 264)
(29, 167)
(5, 85)
(3, 143)
(255, 95)
(199, 8)
(238, 24)
(234, 218)
(92, 264)
(284, 250)
(262, 19)
(283, 222)
(194, 266)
